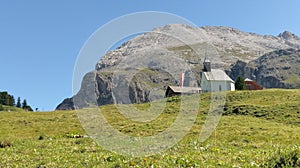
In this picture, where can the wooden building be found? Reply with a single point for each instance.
(177, 90)
(251, 85)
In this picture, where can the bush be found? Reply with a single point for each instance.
(41, 137)
(73, 135)
(5, 144)
(285, 159)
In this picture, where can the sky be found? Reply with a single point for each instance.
(40, 40)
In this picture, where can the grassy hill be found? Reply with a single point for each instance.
(10, 109)
(258, 128)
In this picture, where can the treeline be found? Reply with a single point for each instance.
(9, 100)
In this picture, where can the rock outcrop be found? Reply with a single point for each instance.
(104, 87)
(277, 69)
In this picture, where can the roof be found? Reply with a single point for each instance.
(206, 60)
(251, 85)
(217, 75)
(247, 79)
(184, 89)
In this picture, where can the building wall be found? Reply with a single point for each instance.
(232, 86)
(216, 86)
(205, 85)
(219, 86)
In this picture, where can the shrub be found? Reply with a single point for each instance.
(4, 144)
(285, 159)
(41, 137)
(73, 135)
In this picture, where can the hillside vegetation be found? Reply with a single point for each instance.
(257, 129)
(7, 103)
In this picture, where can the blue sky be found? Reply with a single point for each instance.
(40, 40)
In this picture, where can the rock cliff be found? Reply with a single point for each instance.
(277, 69)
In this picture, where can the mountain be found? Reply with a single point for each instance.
(277, 69)
(228, 43)
(141, 68)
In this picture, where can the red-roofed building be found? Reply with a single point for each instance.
(251, 85)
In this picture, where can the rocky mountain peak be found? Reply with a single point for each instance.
(222, 29)
(288, 35)
(169, 27)
(229, 43)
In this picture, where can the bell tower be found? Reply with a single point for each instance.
(206, 65)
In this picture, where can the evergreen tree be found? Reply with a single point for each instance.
(24, 104)
(240, 84)
(7, 99)
(18, 102)
(3, 98)
(12, 101)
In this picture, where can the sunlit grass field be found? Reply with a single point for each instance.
(257, 129)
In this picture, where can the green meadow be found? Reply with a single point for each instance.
(257, 129)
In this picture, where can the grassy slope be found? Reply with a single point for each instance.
(254, 127)
(10, 109)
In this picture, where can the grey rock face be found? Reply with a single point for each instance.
(277, 69)
(87, 96)
(100, 88)
(288, 36)
(167, 50)
(67, 104)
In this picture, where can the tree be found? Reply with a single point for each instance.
(2, 98)
(240, 83)
(12, 101)
(28, 108)
(7, 99)
(24, 104)
(18, 102)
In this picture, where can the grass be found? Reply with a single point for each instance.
(10, 108)
(293, 80)
(258, 129)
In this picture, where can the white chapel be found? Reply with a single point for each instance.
(215, 80)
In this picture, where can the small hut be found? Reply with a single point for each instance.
(251, 85)
(177, 90)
